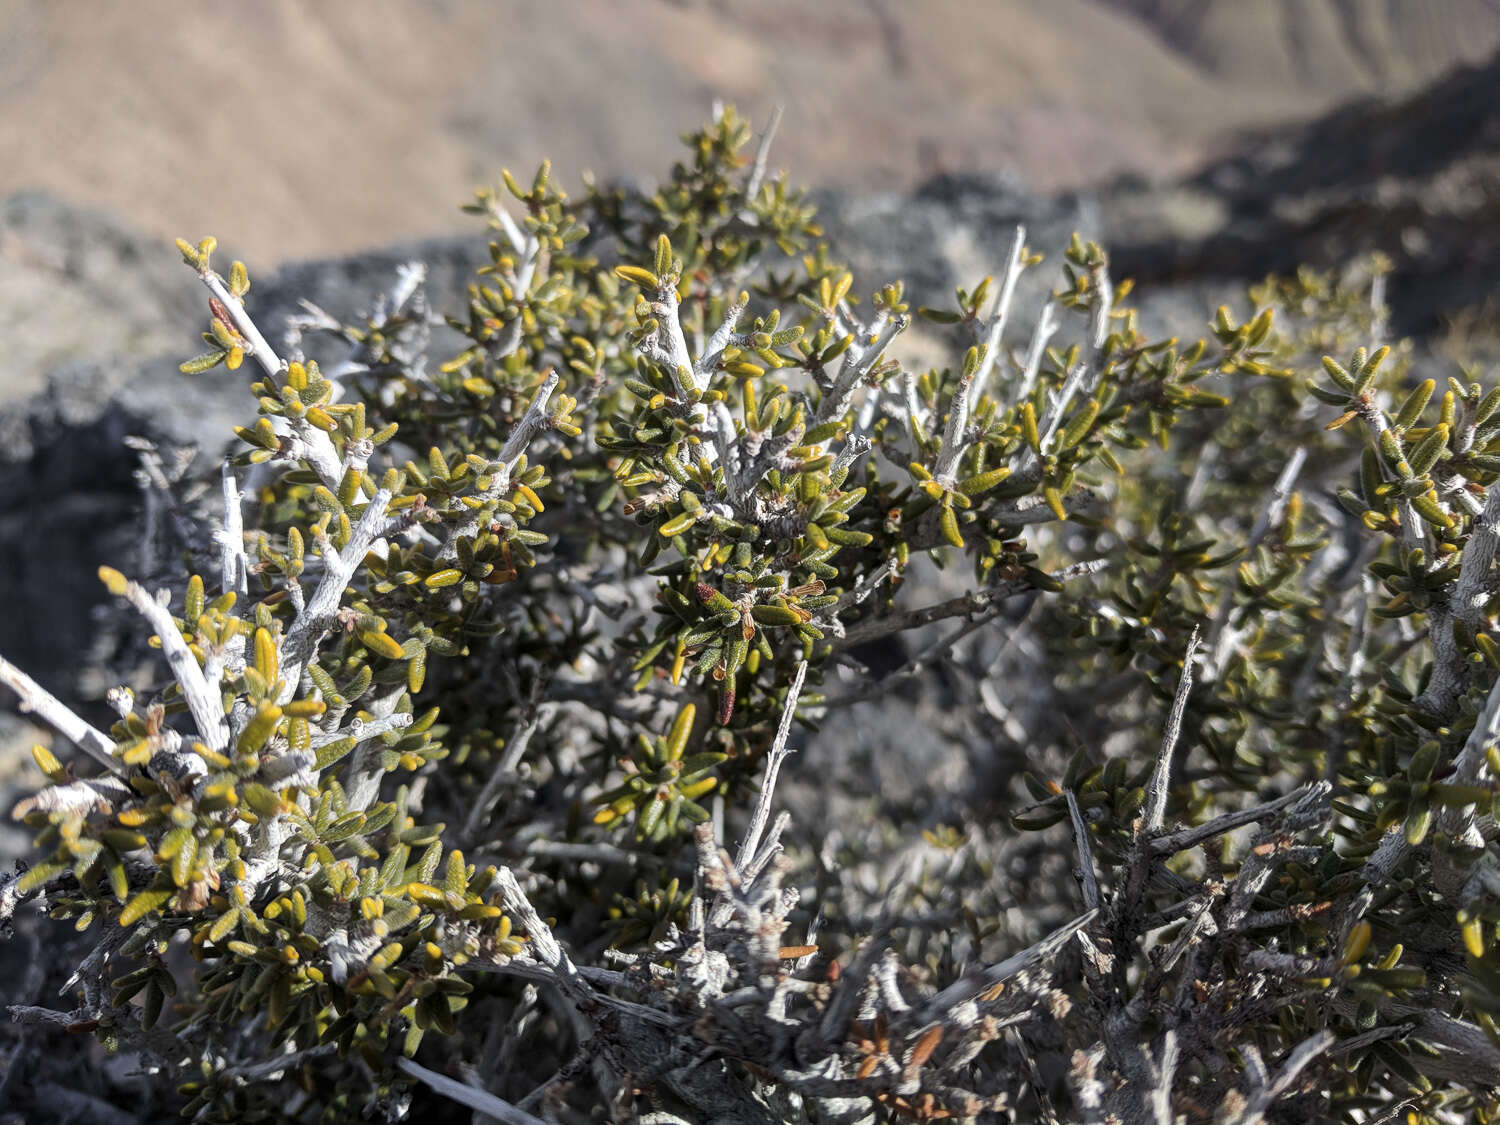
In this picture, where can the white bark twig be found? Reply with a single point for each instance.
(1471, 594)
(994, 334)
(1471, 765)
(668, 348)
(234, 570)
(1374, 421)
(1054, 416)
(774, 757)
(316, 445)
(533, 420)
(1161, 777)
(512, 231)
(56, 714)
(858, 361)
(971, 387)
(1084, 375)
(762, 155)
(95, 794)
(1270, 516)
(272, 1069)
(1046, 328)
(204, 699)
(313, 623)
(963, 605)
(1459, 823)
(543, 944)
(723, 336)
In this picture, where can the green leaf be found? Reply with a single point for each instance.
(146, 902)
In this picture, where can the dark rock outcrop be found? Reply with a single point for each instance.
(1417, 179)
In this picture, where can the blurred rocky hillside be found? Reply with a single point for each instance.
(295, 129)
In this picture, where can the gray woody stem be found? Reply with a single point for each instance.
(318, 447)
(1161, 776)
(966, 989)
(526, 725)
(543, 945)
(774, 757)
(1268, 1089)
(1220, 636)
(858, 361)
(235, 571)
(996, 329)
(480, 1101)
(533, 420)
(1085, 852)
(970, 389)
(1085, 374)
(962, 605)
(37, 699)
(1046, 328)
(300, 644)
(203, 698)
(1470, 596)
(762, 155)
(1459, 823)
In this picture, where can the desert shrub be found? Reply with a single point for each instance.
(462, 789)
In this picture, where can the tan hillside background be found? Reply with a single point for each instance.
(294, 128)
